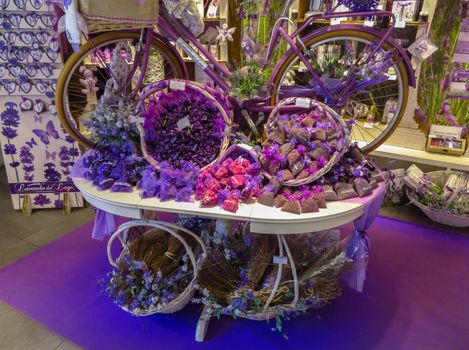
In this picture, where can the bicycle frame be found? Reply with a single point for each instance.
(180, 36)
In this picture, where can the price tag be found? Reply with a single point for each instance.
(368, 126)
(303, 102)
(280, 260)
(368, 23)
(392, 77)
(380, 7)
(141, 120)
(177, 85)
(245, 146)
(336, 21)
(400, 24)
(183, 123)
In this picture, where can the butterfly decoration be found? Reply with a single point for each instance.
(38, 118)
(51, 155)
(46, 135)
(32, 143)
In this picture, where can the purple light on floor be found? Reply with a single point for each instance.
(416, 297)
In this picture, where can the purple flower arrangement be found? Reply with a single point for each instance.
(183, 126)
(169, 183)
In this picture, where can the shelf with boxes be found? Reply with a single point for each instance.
(214, 14)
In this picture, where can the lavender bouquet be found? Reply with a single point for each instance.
(238, 276)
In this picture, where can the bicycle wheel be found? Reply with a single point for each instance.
(72, 103)
(373, 111)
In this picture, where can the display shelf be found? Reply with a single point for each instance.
(215, 19)
(422, 156)
(362, 22)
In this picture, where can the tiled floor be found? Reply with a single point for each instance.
(21, 235)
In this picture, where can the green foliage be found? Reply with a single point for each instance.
(251, 80)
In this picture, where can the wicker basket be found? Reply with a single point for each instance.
(445, 218)
(182, 299)
(157, 89)
(333, 116)
(102, 15)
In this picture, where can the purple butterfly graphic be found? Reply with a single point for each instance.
(38, 118)
(32, 143)
(51, 155)
(45, 135)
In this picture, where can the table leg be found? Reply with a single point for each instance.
(202, 325)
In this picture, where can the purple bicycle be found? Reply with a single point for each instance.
(358, 70)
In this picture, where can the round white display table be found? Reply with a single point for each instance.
(262, 219)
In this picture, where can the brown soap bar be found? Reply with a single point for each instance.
(329, 193)
(320, 151)
(331, 133)
(277, 135)
(293, 157)
(280, 201)
(362, 187)
(286, 148)
(297, 168)
(267, 198)
(345, 190)
(321, 202)
(300, 134)
(318, 134)
(309, 206)
(266, 143)
(292, 206)
(303, 174)
(308, 122)
(373, 183)
(286, 175)
(273, 168)
(275, 184)
(285, 125)
(377, 176)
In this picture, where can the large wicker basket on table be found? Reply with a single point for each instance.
(442, 217)
(111, 15)
(157, 89)
(310, 105)
(183, 298)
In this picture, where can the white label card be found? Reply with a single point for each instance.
(303, 102)
(245, 146)
(177, 85)
(369, 23)
(400, 24)
(336, 21)
(280, 260)
(183, 123)
(141, 120)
